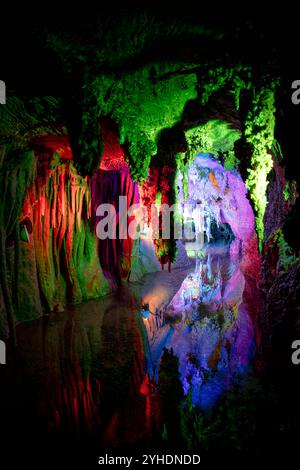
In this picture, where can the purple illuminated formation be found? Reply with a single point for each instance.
(220, 194)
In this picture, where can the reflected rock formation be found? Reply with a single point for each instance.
(209, 328)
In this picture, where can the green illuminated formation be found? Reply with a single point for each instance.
(234, 79)
(213, 137)
(287, 256)
(286, 191)
(142, 109)
(259, 133)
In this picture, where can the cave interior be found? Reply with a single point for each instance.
(141, 340)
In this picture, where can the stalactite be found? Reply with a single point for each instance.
(160, 181)
(149, 190)
(55, 203)
(106, 187)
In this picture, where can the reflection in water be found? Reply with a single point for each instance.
(81, 372)
(96, 369)
(208, 327)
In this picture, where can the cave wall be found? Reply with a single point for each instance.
(280, 273)
(17, 171)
